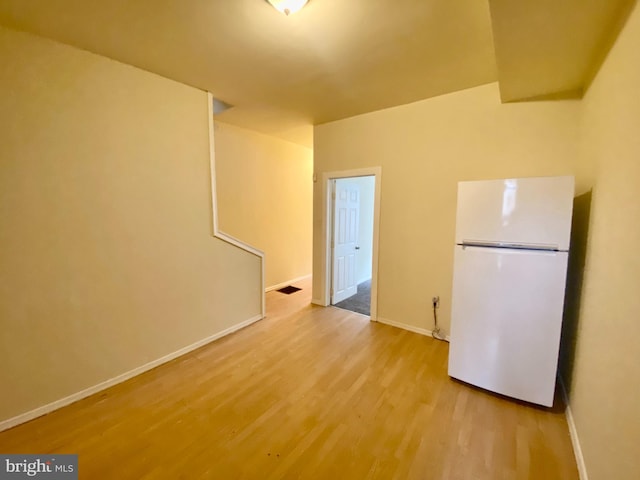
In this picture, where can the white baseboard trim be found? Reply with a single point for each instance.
(575, 441)
(50, 407)
(411, 328)
(284, 284)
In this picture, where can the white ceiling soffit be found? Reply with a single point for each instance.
(331, 60)
(551, 48)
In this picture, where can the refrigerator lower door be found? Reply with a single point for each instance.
(506, 320)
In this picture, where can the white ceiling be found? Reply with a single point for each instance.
(335, 58)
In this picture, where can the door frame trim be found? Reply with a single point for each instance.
(325, 245)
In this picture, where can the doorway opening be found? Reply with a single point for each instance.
(350, 221)
(352, 243)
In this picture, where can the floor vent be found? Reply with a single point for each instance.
(288, 289)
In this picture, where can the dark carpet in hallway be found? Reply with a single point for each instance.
(360, 302)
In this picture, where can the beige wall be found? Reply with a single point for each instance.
(424, 149)
(264, 192)
(604, 389)
(107, 259)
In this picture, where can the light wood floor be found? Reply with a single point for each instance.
(309, 392)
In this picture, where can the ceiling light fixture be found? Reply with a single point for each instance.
(288, 6)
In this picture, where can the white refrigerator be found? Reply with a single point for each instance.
(510, 266)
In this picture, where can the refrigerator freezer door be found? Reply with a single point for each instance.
(506, 319)
(520, 210)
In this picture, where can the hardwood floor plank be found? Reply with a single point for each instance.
(308, 392)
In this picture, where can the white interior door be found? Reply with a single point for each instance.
(346, 214)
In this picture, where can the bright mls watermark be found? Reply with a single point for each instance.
(52, 467)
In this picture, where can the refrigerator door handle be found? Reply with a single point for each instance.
(517, 246)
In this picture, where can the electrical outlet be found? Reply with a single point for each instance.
(436, 301)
